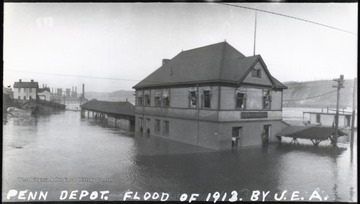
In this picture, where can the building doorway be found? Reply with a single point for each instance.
(266, 134)
(147, 126)
(237, 135)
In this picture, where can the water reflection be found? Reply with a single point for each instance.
(64, 145)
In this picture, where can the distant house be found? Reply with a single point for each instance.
(44, 94)
(25, 90)
(213, 97)
(117, 114)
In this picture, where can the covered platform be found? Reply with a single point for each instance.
(120, 114)
(316, 134)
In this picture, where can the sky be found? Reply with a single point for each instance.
(113, 46)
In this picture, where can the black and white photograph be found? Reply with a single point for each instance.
(185, 102)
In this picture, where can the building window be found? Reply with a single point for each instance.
(240, 99)
(157, 98)
(30, 97)
(24, 97)
(192, 98)
(141, 124)
(256, 72)
(266, 99)
(147, 98)
(30, 90)
(317, 118)
(206, 99)
(166, 127)
(157, 126)
(140, 100)
(19, 90)
(19, 97)
(166, 97)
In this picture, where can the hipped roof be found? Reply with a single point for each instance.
(213, 63)
(118, 108)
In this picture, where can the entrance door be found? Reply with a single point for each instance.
(147, 126)
(237, 134)
(266, 134)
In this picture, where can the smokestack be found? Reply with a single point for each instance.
(75, 89)
(19, 80)
(83, 91)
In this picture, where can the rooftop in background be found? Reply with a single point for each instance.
(119, 108)
(44, 89)
(23, 84)
(6, 90)
(213, 63)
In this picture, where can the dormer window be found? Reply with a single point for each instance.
(256, 72)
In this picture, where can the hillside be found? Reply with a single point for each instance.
(303, 90)
(121, 95)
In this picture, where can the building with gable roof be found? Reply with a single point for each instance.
(213, 97)
(44, 94)
(25, 90)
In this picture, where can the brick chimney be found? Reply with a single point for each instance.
(19, 80)
(164, 61)
(32, 80)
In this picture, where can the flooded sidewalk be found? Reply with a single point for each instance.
(62, 152)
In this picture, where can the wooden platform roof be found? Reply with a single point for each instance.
(309, 132)
(109, 107)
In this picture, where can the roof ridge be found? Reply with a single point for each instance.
(202, 47)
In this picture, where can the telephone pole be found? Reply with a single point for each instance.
(255, 31)
(353, 113)
(340, 84)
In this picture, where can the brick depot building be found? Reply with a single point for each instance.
(213, 97)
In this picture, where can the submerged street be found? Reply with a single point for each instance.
(82, 154)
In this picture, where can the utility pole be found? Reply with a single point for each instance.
(340, 84)
(353, 114)
(255, 31)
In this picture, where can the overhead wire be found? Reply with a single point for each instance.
(310, 97)
(288, 16)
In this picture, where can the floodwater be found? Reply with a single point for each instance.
(61, 151)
